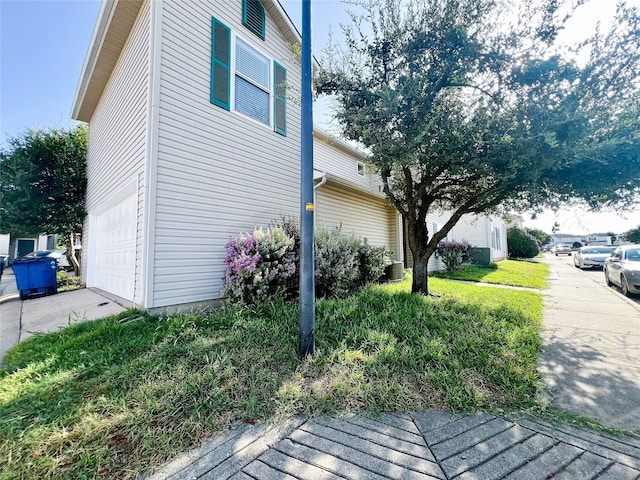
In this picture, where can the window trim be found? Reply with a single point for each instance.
(361, 169)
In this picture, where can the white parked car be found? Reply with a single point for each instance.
(588, 257)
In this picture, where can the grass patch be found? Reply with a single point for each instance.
(109, 400)
(518, 273)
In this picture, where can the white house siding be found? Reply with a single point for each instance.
(476, 230)
(332, 157)
(366, 216)
(219, 172)
(117, 141)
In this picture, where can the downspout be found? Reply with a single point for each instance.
(322, 182)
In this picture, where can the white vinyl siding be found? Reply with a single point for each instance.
(118, 139)
(476, 230)
(329, 157)
(365, 216)
(219, 172)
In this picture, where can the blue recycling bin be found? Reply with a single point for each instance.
(36, 274)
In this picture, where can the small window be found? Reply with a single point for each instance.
(362, 170)
(253, 17)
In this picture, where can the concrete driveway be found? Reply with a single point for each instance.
(591, 357)
(21, 319)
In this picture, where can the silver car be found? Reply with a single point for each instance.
(623, 269)
(588, 257)
(561, 249)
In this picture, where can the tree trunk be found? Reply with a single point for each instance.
(418, 240)
(71, 254)
(420, 283)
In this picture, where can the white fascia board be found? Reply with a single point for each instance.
(97, 40)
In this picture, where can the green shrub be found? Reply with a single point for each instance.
(453, 254)
(520, 244)
(265, 263)
(66, 282)
(373, 261)
(337, 262)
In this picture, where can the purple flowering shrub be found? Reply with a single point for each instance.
(259, 265)
(453, 254)
(264, 263)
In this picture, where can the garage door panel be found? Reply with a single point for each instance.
(116, 248)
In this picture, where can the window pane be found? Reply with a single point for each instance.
(251, 64)
(251, 100)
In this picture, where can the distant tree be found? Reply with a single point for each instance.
(633, 235)
(43, 183)
(468, 106)
(520, 244)
(541, 237)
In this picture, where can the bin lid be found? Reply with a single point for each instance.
(55, 254)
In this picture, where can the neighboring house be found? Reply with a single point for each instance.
(194, 136)
(19, 246)
(478, 230)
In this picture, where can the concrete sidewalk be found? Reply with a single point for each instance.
(21, 319)
(591, 357)
(431, 444)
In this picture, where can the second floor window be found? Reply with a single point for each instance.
(252, 84)
(245, 80)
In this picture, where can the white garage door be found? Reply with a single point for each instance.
(116, 248)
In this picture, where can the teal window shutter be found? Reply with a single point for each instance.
(253, 17)
(220, 64)
(280, 99)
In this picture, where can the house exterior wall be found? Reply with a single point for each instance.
(218, 172)
(483, 231)
(117, 142)
(367, 217)
(360, 208)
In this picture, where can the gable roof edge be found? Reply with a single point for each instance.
(115, 23)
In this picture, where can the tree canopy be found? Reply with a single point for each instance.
(633, 235)
(467, 106)
(43, 182)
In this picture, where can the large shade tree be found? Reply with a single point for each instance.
(468, 106)
(43, 183)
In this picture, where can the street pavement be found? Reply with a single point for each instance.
(589, 366)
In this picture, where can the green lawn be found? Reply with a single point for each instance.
(519, 273)
(108, 399)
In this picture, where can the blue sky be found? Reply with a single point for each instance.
(42, 48)
(43, 44)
